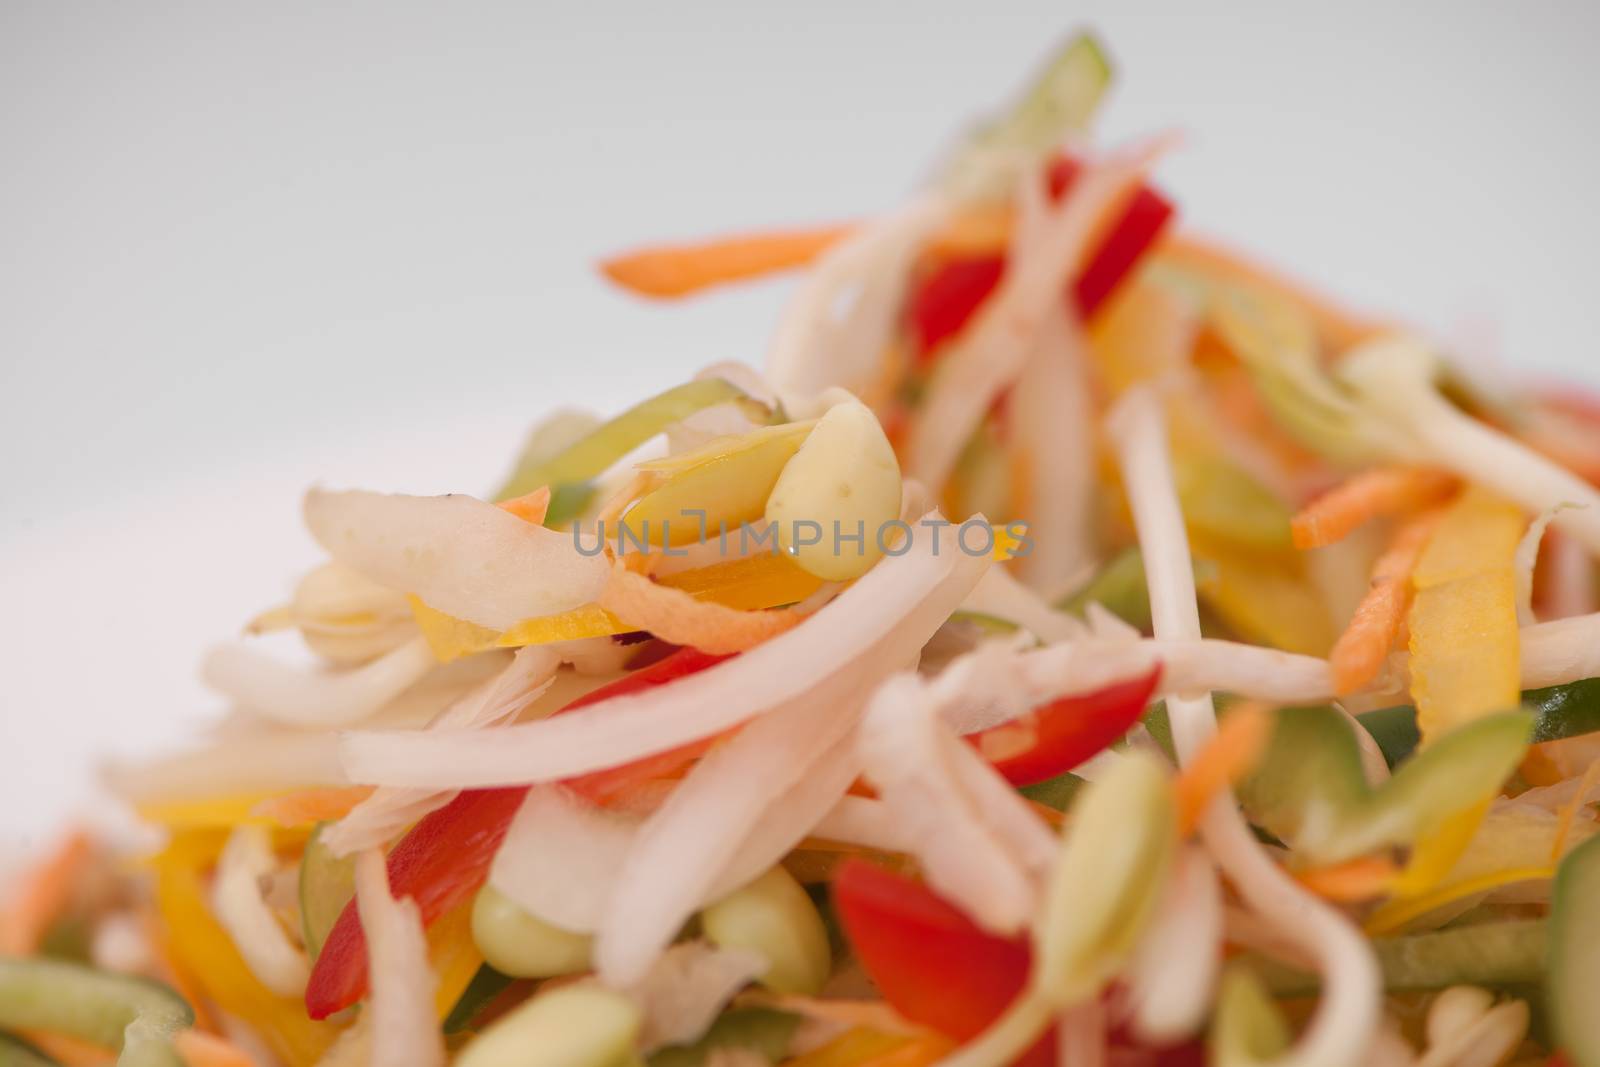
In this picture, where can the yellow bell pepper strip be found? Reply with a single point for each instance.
(136, 1016)
(1464, 640)
(202, 949)
(453, 955)
(749, 584)
(1265, 599)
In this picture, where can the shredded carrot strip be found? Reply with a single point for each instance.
(529, 507)
(1359, 653)
(1352, 881)
(307, 806)
(69, 1051)
(1379, 492)
(41, 895)
(1232, 753)
(1397, 913)
(200, 1049)
(1569, 811)
(672, 271)
(675, 616)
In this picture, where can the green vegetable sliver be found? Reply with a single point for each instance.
(135, 1015)
(590, 456)
(1488, 954)
(1574, 973)
(327, 883)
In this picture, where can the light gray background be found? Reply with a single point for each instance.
(244, 247)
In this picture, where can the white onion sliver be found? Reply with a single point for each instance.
(1527, 556)
(998, 804)
(389, 810)
(905, 758)
(260, 761)
(236, 899)
(895, 598)
(562, 857)
(461, 555)
(1052, 426)
(405, 1032)
(298, 697)
(864, 822)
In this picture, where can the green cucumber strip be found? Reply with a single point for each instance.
(1496, 954)
(134, 1015)
(589, 457)
(327, 883)
(1574, 976)
(487, 984)
(15, 1052)
(761, 1030)
(1559, 712)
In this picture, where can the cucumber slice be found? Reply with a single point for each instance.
(1559, 712)
(1574, 977)
(134, 1015)
(1493, 954)
(327, 884)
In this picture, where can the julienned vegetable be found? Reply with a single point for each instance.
(135, 1016)
(857, 712)
(1574, 963)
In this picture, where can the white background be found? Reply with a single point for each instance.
(244, 247)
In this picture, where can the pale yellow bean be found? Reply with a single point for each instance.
(843, 481)
(522, 945)
(773, 917)
(574, 1026)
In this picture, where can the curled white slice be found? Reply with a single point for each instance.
(389, 810)
(404, 1030)
(460, 555)
(259, 761)
(236, 899)
(296, 696)
(897, 605)
(963, 857)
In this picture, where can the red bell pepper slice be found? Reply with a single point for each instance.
(932, 964)
(952, 293)
(446, 856)
(1052, 739)
(936, 967)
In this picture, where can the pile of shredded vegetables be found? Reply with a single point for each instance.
(1078, 645)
